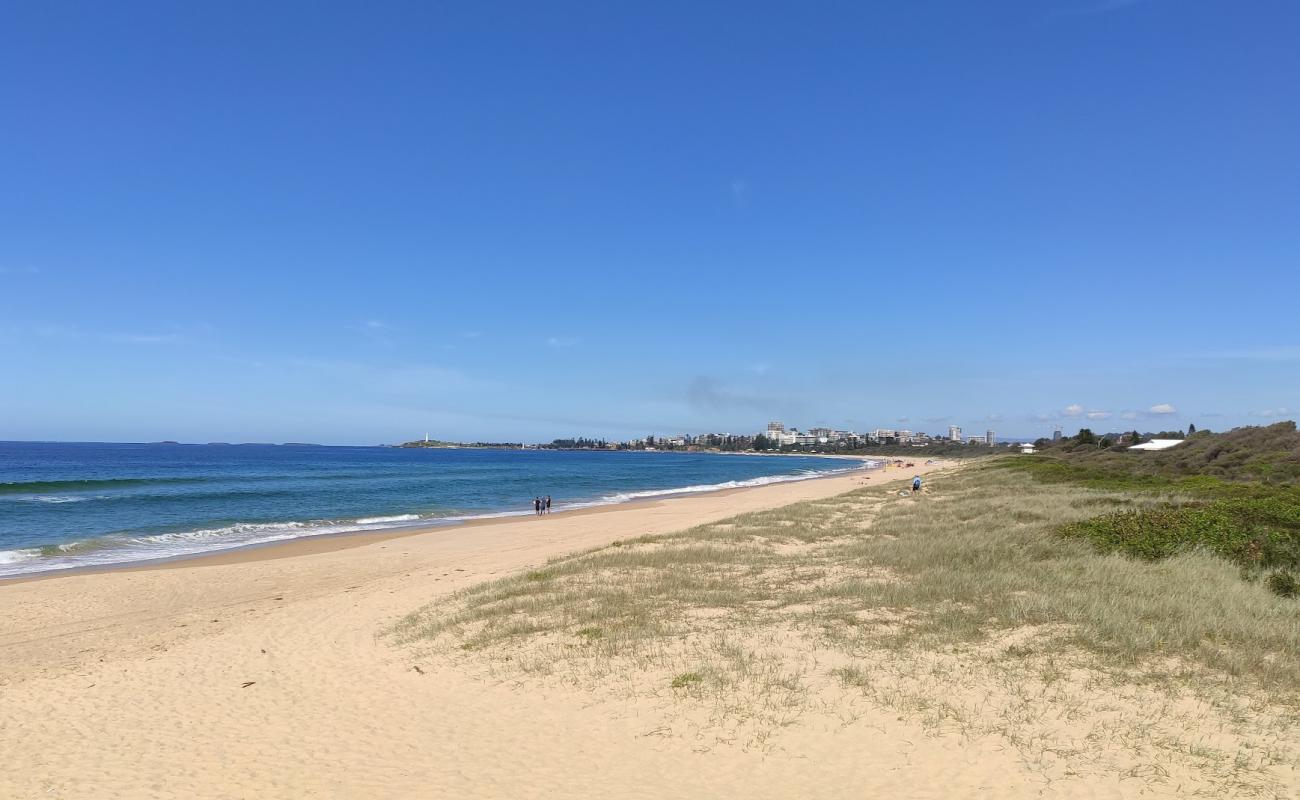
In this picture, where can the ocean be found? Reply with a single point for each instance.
(65, 505)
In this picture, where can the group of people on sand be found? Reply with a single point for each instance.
(542, 505)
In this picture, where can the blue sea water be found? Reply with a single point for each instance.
(68, 505)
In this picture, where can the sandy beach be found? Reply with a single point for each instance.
(262, 673)
(277, 672)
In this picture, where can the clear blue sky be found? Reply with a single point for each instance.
(355, 223)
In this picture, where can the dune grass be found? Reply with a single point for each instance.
(902, 599)
(982, 556)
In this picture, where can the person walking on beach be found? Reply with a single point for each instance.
(537, 506)
(916, 484)
(548, 504)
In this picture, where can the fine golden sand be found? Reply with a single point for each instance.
(135, 683)
(355, 667)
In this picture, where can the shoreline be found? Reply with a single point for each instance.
(345, 540)
(278, 651)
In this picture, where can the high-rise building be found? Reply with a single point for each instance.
(988, 438)
(1056, 435)
(954, 433)
(775, 428)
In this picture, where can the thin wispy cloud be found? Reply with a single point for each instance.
(1073, 411)
(51, 330)
(407, 380)
(1274, 413)
(1155, 411)
(562, 341)
(1280, 352)
(243, 362)
(740, 191)
(143, 338)
(708, 394)
(375, 330)
(55, 331)
(1098, 7)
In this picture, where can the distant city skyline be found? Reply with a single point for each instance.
(513, 221)
(785, 435)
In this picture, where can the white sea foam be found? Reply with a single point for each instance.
(493, 515)
(394, 518)
(53, 498)
(18, 556)
(802, 475)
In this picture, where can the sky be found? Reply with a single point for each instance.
(355, 223)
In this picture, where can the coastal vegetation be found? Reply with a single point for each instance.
(986, 607)
(1268, 454)
(1239, 498)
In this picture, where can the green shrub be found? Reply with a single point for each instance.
(1254, 532)
(1283, 584)
(1246, 484)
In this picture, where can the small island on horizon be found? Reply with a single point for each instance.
(438, 443)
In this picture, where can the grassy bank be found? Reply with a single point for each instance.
(980, 556)
(1240, 499)
(965, 609)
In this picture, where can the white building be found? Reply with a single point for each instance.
(1157, 444)
(954, 433)
(989, 439)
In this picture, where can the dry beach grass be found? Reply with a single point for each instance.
(961, 610)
